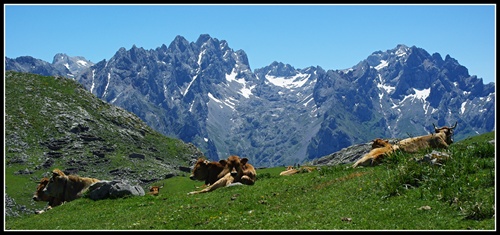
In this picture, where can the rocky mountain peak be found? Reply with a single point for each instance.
(74, 64)
(179, 44)
(205, 93)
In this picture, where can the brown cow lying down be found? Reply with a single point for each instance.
(303, 169)
(381, 148)
(40, 195)
(207, 171)
(236, 171)
(240, 169)
(288, 171)
(155, 190)
(67, 188)
(442, 138)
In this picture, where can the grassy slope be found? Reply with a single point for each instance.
(460, 194)
(40, 108)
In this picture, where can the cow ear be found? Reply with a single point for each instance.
(244, 160)
(223, 162)
(57, 172)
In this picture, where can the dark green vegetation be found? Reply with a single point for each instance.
(399, 194)
(52, 122)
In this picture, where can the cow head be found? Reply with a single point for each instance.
(234, 165)
(448, 131)
(155, 190)
(379, 143)
(40, 195)
(57, 184)
(202, 168)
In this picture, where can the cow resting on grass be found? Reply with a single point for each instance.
(40, 195)
(207, 171)
(235, 171)
(65, 188)
(303, 169)
(380, 149)
(240, 169)
(442, 138)
(289, 171)
(155, 190)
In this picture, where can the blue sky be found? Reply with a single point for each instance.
(330, 36)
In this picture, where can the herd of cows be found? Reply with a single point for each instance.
(441, 138)
(61, 188)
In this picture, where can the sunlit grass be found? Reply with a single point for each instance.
(397, 195)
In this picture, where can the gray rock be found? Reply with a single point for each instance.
(114, 189)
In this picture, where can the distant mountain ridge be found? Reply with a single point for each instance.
(62, 65)
(204, 92)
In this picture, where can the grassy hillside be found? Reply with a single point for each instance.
(52, 122)
(400, 194)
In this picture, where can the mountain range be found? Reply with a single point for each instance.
(205, 93)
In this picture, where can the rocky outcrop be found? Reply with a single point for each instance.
(114, 189)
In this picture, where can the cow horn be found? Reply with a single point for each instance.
(453, 127)
(435, 128)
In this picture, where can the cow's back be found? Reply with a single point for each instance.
(414, 144)
(375, 155)
(77, 186)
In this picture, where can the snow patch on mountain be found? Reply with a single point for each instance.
(462, 107)
(82, 63)
(245, 90)
(419, 95)
(227, 103)
(200, 56)
(107, 85)
(93, 81)
(382, 86)
(402, 51)
(289, 82)
(308, 99)
(383, 64)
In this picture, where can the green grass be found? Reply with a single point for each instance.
(460, 194)
(41, 109)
